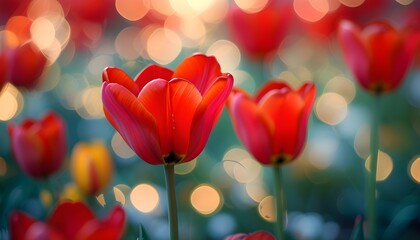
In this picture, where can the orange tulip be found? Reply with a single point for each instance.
(273, 125)
(378, 55)
(70, 220)
(166, 116)
(91, 167)
(39, 146)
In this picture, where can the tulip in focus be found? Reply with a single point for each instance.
(272, 125)
(166, 116)
(259, 235)
(91, 167)
(260, 33)
(39, 146)
(378, 55)
(70, 220)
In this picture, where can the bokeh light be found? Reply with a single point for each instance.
(226, 53)
(331, 108)
(352, 3)
(205, 199)
(132, 10)
(384, 168)
(414, 169)
(163, 46)
(185, 168)
(120, 147)
(266, 209)
(310, 10)
(251, 6)
(11, 102)
(144, 198)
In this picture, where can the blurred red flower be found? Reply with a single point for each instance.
(273, 125)
(259, 235)
(166, 116)
(70, 220)
(3, 71)
(26, 62)
(378, 55)
(260, 33)
(39, 146)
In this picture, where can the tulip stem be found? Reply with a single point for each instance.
(280, 203)
(170, 189)
(374, 144)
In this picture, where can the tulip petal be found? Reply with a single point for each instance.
(355, 52)
(69, 217)
(404, 56)
(110, 228)
(207, 114)
(308, 93)
(271, 85)
(156, 100)
(253, 127)
(151, 73)
(116, 75)
(132, 120)
(260, 235)
(19, 225)
(285, 109)
(40, 230)
(185, 99)
(199, 69)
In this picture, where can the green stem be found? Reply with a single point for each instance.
(280, 203)
(170, 189)
(374, 144)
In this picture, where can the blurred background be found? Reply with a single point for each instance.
(224, 190)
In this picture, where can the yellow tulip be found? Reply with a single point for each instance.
(91, 167)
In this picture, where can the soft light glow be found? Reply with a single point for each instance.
(404, 2)
(331, 108)
(311, 10)
(266, 209)
(120, 147)
(119, 195)
(256, 190)
(49, 8)
(244, 80)
(246, 170)
(414, 169)
(132, 10)
(101, 199)
(385, 166)
(182, 8)
(144, 198)
(251, 6)
(185, 168)
(352, 3)
(342, 86)
(362, 142)
(91, 103)
(232, 158)
(163, 46)
(205, 199)
(43, 33)
(11, 102)
(200, 6)
(216, 12)
(194, 29)
(125, 43)
(227, 54)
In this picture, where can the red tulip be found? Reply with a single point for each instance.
(26, 62)
(273, 125)
(26, 65)
(378, 55)
(260, 33)
(166, 116)
(70, 220)
(39, 146)
(3, 71)
(259, 235)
